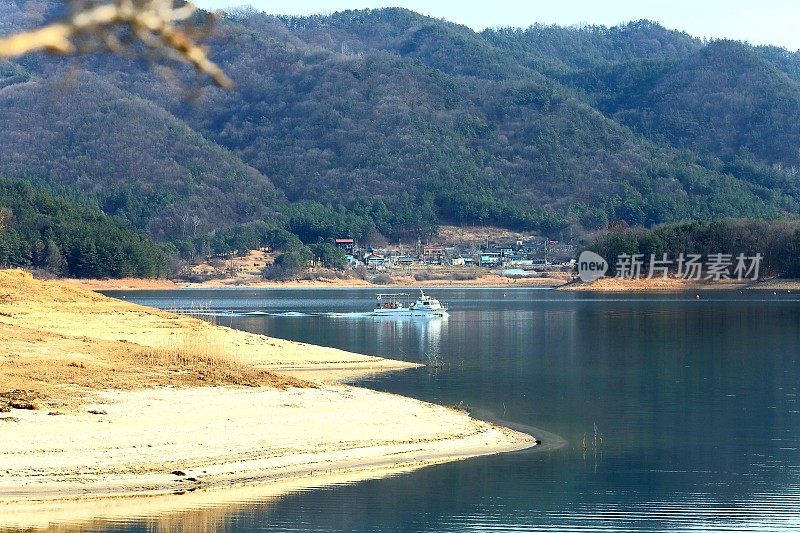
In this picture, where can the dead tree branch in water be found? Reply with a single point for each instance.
(116, 26)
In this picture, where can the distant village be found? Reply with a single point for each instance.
(520, 255)
(515, 258)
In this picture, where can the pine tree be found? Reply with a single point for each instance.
(55, 263)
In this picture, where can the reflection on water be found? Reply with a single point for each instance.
(423, 334)
(205, 510)
(678, 413)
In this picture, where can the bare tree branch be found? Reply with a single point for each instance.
(151, 22)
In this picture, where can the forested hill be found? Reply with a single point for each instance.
(39, 230)
(408, 121)
(140, 161)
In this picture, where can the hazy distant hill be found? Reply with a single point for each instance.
(139, 161)
(408, 120)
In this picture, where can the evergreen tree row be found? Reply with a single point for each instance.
(40, 230)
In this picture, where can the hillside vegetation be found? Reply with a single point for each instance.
(386, 123)
(42, 231)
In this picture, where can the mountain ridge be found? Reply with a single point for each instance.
(387, 111)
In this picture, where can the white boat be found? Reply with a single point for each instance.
(395, 304)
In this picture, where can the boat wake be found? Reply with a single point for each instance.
(347, 315)
(298, 314)
(239, 314)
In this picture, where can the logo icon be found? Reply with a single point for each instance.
(591, 266)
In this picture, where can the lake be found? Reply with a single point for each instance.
(658, 412)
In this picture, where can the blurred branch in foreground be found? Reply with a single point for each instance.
(117, 25)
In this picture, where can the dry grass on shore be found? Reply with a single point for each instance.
(59, 370)
(201, 358)
(56, 372)
(609, 284)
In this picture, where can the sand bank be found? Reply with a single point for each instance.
(220, 437)
(74, 313)
(124, 284)
(398, 282)
(777, 284)
(650, 285)
(102, 399)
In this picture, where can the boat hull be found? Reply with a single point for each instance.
(410, 312)
(392, 312)
(440, 312)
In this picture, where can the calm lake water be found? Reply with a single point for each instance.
(676, 413)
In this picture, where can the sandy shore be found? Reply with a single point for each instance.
(105, 399)
(488, 281)
(125, 284)
(776, 285)
(250, 436)
(652, 285)
(400, 282)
